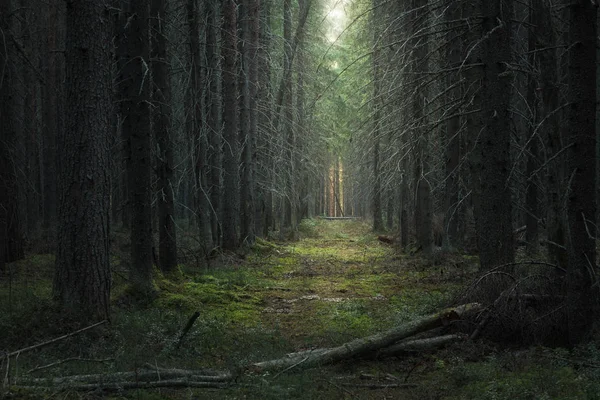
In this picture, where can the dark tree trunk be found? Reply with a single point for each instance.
(581, 202)
(423, 204)
(554, 159)
(197, 133)
(161, 97)
(213, 117)
(376, 201)
(531, 197)
(124, 161)
(82, 280)
(136, 114)
(250, 56)
(494, 219)
(11, 238)
(230, 126)
(452, 205)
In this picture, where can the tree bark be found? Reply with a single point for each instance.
(581, 203)
(198, 134)
(82, 279)
(161, 98)
(230, 126)
(376, 133)
(136, 114)
(213, 117)
(494, 219)
(11, 238)
(251, 29)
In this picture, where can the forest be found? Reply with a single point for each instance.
(312, 199)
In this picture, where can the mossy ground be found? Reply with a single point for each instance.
(335, 284)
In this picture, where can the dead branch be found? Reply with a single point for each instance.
(54, 364)
(187, 328)
(366, 345)
(381, 385)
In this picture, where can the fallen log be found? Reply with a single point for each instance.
(138, 376)
(419, 345)
(363, 346)
(126, 385)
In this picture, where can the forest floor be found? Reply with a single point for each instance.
(337, 283)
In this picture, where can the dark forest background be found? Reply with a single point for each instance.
(456, 126)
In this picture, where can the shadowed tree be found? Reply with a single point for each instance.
(494, 218)
(161, 98)
(82, 279)
(135, 107)
(11, 242)
(230, 126)
(581, 202)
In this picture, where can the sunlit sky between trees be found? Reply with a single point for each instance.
(336, 18)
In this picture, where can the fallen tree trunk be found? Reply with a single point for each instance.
(419, 345)
(127, 385)
(363, 346)
(138, 376)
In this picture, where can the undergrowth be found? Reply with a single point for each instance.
(335, 284)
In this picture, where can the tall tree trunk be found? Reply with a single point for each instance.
(230, 126)
(581, 202)
(82, 280)
(161, 97)
(124, 161)
(423, 204)
(250, 61)
(531, 197)
(197, 133)
(136, 109)
(494, 222)
(213, 117)
(452, 149)
(376, 202)
(11, 239)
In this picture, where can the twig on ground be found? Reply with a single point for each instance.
(381, 385)
(54, 364)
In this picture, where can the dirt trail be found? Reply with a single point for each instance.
(340, 282)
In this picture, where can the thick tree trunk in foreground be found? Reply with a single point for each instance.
(82, 280)
(161, 97)
(581, 128)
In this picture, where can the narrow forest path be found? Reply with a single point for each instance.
(340, 282)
